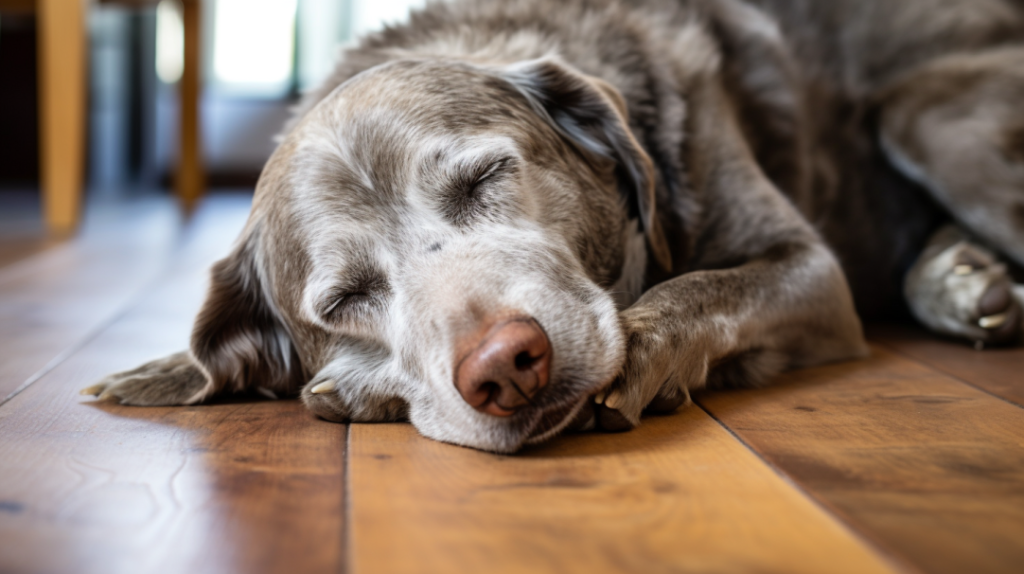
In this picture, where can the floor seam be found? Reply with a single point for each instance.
(346, 502)
(890, 557)
(942, 371)
(131, 303)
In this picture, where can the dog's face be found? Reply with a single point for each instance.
(440, 241)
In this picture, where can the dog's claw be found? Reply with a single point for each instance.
(613, 400)
(611, 420)
(963, 270)
(992, 321)
(93, 390)
(324, 387)
(599, 397)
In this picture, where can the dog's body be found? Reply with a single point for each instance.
(506, 218)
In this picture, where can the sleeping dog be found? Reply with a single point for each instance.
(509, 218)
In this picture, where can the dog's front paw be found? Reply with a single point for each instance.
(172, 380)
(964, 292)
(660, 369)
(335, 401)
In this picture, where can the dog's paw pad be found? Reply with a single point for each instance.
(996, 300)
(999, 314)
(965, 292)
(611, 420)
(606, 416)
(669, 401)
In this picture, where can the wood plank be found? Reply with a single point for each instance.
(54, 300)
(63, 48)
(679, 494)
(233, 487)
(22, 231)
(999, 371)
(929, 467)
(15, 249)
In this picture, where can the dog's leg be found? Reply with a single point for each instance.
(172, 380)
(731, 327)
(959, 288)
(767, 294)
(957, 127)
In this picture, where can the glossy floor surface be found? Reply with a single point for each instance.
(909, 461)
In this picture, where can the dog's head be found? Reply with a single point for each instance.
(440, 241)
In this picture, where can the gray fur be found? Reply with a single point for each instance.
(491, 159)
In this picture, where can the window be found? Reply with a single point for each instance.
(252, 45)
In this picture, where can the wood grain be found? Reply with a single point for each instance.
(679, 494)
(234, 487)
(927, 466)
(55, 300)
(15, 249)
(999, 371)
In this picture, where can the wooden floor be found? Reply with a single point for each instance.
(909, 461)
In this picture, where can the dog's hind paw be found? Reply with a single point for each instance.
(172, 380)
(964, 292)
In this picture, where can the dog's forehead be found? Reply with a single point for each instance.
(368, 158)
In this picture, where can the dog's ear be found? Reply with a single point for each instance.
(591, 114)
(237, 338)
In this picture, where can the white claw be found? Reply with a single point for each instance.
(992, 321)
(599, 397)
(94, 390)
(613, 400)
(324, 387)
(963, 270)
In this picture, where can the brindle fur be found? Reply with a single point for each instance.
(743, 139)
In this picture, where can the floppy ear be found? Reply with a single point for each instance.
(591, 114)
(237, 338)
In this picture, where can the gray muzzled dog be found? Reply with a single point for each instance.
(509, 218)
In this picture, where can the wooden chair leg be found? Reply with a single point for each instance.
(63, 48)
(190, 182)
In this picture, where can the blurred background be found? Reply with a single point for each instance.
(256, 58)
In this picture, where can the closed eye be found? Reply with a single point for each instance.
(343, 300)
(466, 199)
(355, 300)
(490, 172)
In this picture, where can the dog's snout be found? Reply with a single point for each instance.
(506, 369)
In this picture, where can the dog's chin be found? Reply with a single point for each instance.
(555, 419)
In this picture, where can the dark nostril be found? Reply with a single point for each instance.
(524, 361)
(490, 390)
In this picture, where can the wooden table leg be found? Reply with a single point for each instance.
(190, 181)
(63, 48)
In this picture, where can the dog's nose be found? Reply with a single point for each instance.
(506, 369)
